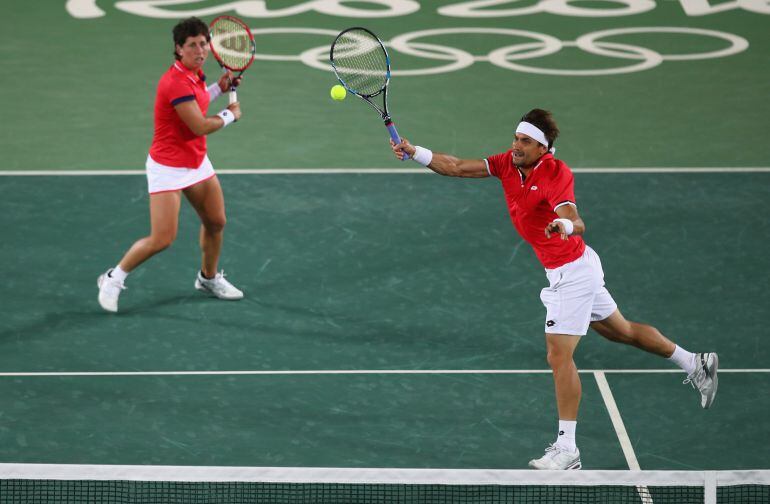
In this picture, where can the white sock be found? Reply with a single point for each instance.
(683, 359)
(566, 437)
(118, 274)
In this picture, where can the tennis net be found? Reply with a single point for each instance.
(116, 484)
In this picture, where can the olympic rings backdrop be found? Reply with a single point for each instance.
(633, 83)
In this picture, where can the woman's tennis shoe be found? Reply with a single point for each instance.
(218, 286)
(557, 458)
(109, 291)
(704, 378)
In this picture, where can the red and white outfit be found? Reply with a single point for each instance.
(177, 157)
(576, 294)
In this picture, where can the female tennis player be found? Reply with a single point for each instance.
(539, 190)
(178, 164)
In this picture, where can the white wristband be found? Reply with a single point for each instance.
(569, 227)
(214, 91)
(227, 116)
(422, 155)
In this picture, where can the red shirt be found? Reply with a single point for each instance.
(532, 203)
(173, 143)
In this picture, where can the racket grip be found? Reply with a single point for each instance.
(394, 136)
(233, 95)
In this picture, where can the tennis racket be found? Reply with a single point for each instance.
(362, 65)
(232, 45)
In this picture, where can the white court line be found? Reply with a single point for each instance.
(305, 171)
(617, 421)
(353, 372)
(620, 430)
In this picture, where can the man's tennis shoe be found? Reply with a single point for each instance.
(109, 291)
(218, 286)
(704, 378)
(557, 458)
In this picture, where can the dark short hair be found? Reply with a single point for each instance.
(190, 27)
(543, 120)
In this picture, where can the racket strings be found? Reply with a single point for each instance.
(232, 43)
(361, 62)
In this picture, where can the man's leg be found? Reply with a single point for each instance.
(561, 348)
(617, 328)
(701, 368)
(563, 454)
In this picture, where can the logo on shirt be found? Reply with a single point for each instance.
(550, 323)
(533, 188)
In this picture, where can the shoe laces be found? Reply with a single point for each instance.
(114, 283)
(552, 450)
(696, 378)
(223, 282)
(219, 283)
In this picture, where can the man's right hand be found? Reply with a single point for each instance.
(402, 148)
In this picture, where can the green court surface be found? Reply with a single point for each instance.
(391, 319)
(367, 272)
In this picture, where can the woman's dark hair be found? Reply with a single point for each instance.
(190, 27)
(543, 120)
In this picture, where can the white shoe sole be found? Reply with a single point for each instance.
(710, 398)
(576, 465)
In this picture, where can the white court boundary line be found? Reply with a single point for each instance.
(354, 372)
(392, 171)
(617, 421)
(622, 433)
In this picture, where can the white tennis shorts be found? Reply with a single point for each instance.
(576, 296)
(162, 178)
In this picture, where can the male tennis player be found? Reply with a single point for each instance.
(539, 190)
(177, 163)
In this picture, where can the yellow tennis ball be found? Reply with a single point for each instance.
(338, 92)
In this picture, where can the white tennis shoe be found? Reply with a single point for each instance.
(109, 291)
(704, 378)
(218, 286)
(557, 458)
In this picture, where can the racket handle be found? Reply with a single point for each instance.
(394, 136)
(233, 95)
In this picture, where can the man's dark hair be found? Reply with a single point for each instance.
(543, 120)
(190, 27)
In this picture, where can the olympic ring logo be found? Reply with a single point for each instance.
(511, 57)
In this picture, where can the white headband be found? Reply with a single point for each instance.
(534, 132)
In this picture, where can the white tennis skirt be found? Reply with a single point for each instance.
(162, 178)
